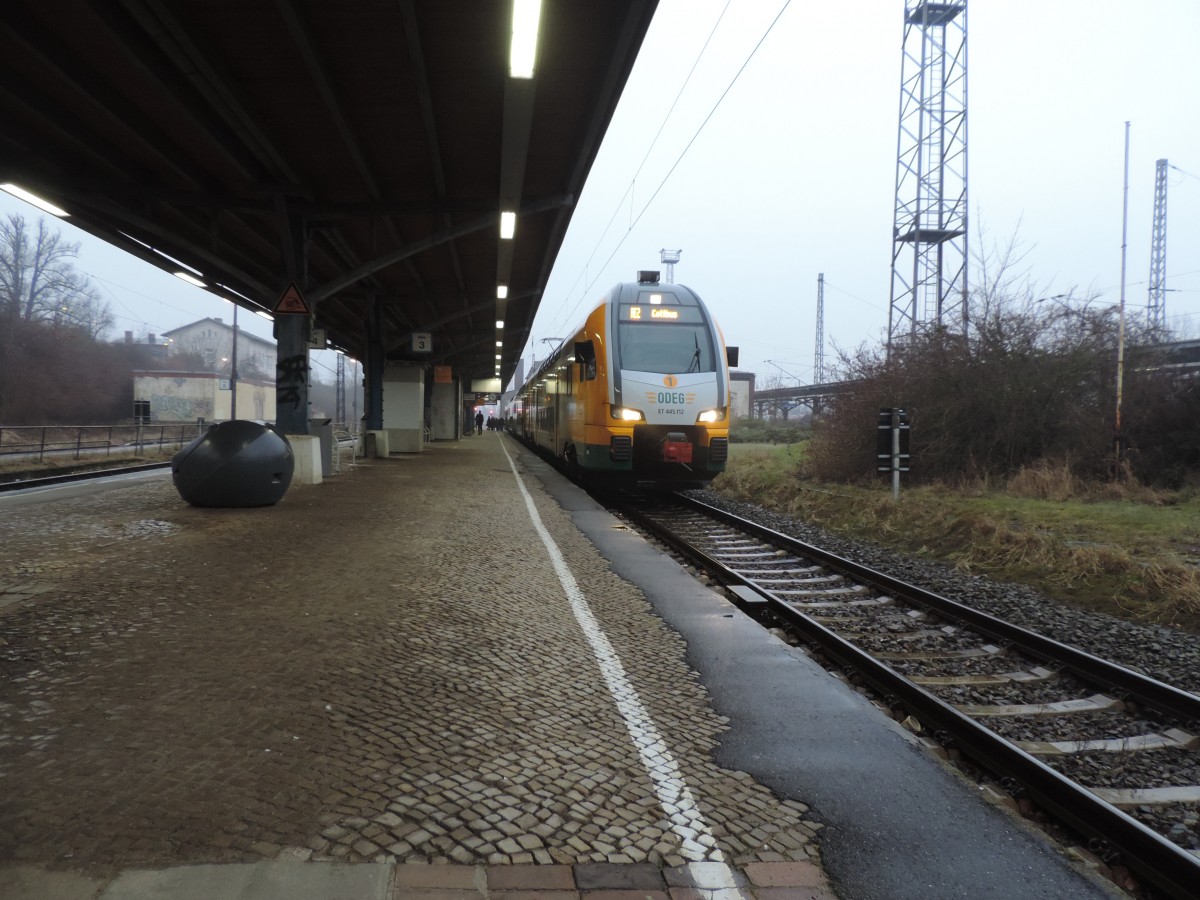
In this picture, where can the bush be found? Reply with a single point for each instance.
(1026, 385)
(763, 431)
(61, 375)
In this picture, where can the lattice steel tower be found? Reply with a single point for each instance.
(819, 356)
(1157, 307)
(929, 250)
(669, 258)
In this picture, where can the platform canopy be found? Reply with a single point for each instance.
(364, 150)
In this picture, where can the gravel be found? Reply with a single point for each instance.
(1168, 655)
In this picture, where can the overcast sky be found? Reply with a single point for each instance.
(794, 172)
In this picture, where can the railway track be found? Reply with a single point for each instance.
(17, 481)
(1112, 754)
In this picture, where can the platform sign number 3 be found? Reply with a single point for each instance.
(422, 342)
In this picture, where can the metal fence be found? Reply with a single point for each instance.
(54, 442)
(346, 449)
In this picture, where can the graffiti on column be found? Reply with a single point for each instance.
(291, 374)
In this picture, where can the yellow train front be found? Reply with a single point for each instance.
(640, 394)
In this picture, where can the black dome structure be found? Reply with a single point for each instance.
(236, 463)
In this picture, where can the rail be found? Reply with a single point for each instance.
(1171, 868)
(75, 442)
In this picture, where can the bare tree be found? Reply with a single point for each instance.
(39, 283)
(1000, 272)
(1033, 382)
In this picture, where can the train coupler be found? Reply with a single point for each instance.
(676, 448)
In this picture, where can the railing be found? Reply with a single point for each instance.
(37, 443)
(345, 449)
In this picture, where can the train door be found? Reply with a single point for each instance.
(567, 407)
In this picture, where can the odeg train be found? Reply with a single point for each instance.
(639, 395)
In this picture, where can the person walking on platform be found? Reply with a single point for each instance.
(479, 423)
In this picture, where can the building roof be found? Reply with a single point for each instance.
(243, 335)
(363, 150)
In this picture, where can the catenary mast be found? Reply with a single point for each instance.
(819, 357)
(669, 258)
(1157, 307)
(929, 249)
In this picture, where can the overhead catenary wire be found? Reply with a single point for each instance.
(1182, 171)
(1144, 283)
(689, 144)
(830, 284)
(633, 222)
(150, 326)
(104, 283)
(649, 149)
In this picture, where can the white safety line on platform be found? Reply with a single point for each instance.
(696, 838)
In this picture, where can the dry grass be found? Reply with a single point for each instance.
(1055, 481)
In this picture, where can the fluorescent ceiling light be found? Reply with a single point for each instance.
(190, 279)
(497, 356)
(176, 261)
(499, 343)
(508, 225)
(34, 200)
(135, 240)
(267, 316)
(501, 291)
(523, 51)
(226, 287)
(499, 323)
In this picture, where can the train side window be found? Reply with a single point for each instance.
(585, 353)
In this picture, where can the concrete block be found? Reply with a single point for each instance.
(181, 883)
(319, 881)
(32, 883)
(375, 444)
(306, 448)
(268, 880)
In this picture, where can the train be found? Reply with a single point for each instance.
(639, 395)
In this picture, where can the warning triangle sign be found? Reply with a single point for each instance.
(291, 301)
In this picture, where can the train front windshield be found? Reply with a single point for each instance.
(664, 339)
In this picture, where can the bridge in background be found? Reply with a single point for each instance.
(782, 402)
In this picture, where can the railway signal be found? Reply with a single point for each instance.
(891, 445)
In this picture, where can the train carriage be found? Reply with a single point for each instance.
(639, 394)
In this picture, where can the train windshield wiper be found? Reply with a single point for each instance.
(694, 365)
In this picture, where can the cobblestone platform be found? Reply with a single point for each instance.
(384, 669)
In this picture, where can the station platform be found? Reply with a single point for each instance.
(441, 675)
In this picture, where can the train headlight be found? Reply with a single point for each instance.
(625, 414)
(711, 415)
